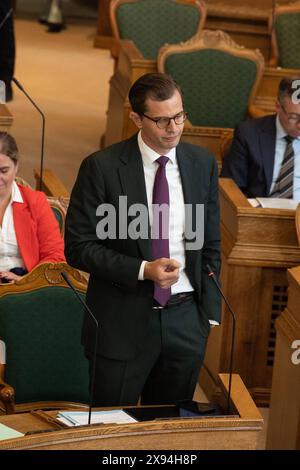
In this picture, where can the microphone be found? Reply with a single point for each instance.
(212, 276)
(66, 278)
(43, 128)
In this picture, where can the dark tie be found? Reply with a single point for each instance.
(160, 240)
(284, 184)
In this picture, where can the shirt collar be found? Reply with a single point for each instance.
(149, 156)
(16, 195)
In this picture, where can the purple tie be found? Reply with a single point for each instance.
(160, 227)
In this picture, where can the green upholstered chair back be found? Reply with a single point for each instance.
(152, 23)
(41, 328)
(287, 32)
(217, 82)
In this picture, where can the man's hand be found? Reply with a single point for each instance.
(163, 271)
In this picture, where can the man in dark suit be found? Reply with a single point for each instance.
(255, 158)
(154, 307)
(7, 46)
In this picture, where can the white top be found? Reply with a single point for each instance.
(176, 214)
(9, 251)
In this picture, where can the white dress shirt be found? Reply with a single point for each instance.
(9, 251)
(280, 147)
(176, 214)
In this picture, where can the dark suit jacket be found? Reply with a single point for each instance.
(121, 303)
(250, 160)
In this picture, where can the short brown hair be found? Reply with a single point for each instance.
(157, 86)
(9, 147)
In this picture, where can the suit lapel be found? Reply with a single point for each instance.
(133, 184)
(267, 140)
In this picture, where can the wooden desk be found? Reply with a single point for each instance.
(284, 416)
(258, 245)
(204, 433)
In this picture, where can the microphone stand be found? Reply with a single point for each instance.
(43, 129)
(66, 278)
(8, 14)
(212, 276)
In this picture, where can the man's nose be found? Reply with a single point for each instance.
(172, 126)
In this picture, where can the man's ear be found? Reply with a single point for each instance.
(136, 118)
(277, 106)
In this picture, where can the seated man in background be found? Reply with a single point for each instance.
(264, 158)
(29, 232)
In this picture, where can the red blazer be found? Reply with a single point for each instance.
(37, 230)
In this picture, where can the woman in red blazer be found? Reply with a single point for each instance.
(29, 232)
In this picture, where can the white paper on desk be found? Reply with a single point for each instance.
(278, 203)
(79, 418)
(254, 202)
(8, 433)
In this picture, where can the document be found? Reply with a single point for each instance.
(277, 203)
(8, 433)
(79, 418)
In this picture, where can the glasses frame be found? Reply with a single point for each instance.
(294, 120)
(156, 120)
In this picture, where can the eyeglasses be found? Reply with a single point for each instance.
(292, 117)
(164, 122)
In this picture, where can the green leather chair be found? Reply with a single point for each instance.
(152, 23)
(285, 29)
(40, 324)
(218, 78)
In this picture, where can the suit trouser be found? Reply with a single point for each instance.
(167, 368)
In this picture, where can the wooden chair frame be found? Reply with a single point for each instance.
(279, 10)
(114, 5)
(44, 275)
(223, 42)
